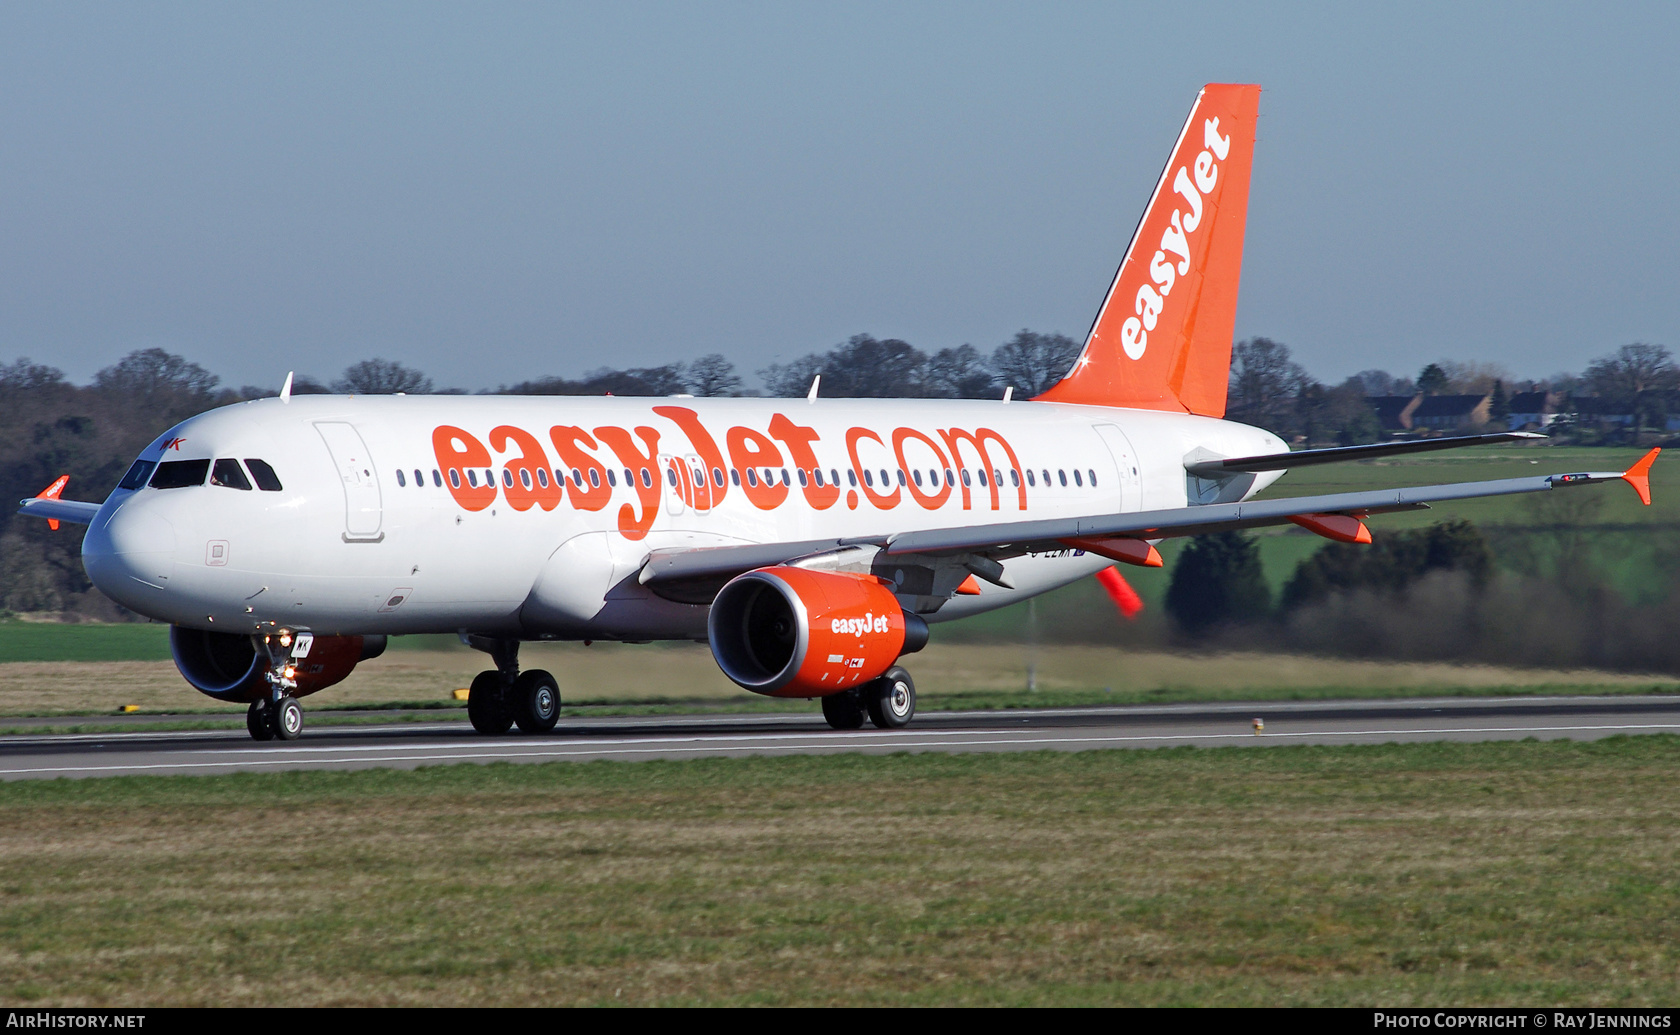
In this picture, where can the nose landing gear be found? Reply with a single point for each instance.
(278, 716)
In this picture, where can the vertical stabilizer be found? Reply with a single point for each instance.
(1162, 339)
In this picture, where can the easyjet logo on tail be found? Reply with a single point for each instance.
(1162, 338)
(1175, 239)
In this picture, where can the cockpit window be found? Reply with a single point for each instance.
(267, 480)
(227, 473)
(179, 474)
(137, 475)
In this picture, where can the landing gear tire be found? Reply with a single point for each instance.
(257, 721)
(536, 701)
(844, 710)
(891, 699)
(485, 706)
(287, 717)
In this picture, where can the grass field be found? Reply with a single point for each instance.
(608, 678)
(1508, 873)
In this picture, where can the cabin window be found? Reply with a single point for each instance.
(647, 478)
(1063, 476)
(817, 473)
(950, 479)
(917, 475)
(997, 477)
(803, 480)
(612, 478)
(525, 477)
(137, 475)
(472, 477)
(401, 481)
(752, 477)
(227, 474)
(1078, 479)
(454, 478)
(785, 479)
(834, 475)
(868, 478)
(507, 477)
(1014, 478)
(982, 473)
(965, 477)
(489, 476)
(735, 476)
(577, 477)
(885, 481)
(717, 477)
(437, 477)
(542, 477)
(1093, 473)
(900, 476)
(419, 479)
(1047, 478)
(1030, 479)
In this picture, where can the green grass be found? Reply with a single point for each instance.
(1507, 873)
(86, 641)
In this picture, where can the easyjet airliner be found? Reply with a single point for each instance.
(809, 542)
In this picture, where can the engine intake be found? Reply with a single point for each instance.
(793, 632)
(234, 667)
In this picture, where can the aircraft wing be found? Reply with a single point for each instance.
(73, 511)
(1329, 514)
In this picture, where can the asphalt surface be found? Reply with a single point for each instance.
(412, 744)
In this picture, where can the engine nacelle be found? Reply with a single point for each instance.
(234, 667)
(793, 632)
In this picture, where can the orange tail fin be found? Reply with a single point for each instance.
(1162, 340)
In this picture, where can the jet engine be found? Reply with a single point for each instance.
(234, 667)
(793, 632)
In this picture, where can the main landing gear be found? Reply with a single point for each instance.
(889, 701)
(503, 696)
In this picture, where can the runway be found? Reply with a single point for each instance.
(412, 744)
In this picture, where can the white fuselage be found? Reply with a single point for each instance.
(384, 522)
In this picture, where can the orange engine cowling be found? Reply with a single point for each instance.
(232, 667)
(792, 632)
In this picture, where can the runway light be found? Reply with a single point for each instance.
(1259, 724)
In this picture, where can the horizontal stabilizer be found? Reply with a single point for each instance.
(1342, 454)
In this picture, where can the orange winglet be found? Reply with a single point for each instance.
(1125, 598)
(1122, 548)
(53, 492)
(1639, 475)
(1343, 528)
(970, 587)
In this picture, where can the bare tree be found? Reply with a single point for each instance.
(959, 373)
(713, 375)
(865, 367)
(382, 377)
(1636, 377)
(1264, 384)
(1033, 362)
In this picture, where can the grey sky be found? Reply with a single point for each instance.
(495, 192)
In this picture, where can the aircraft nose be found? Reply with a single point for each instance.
(129, 553)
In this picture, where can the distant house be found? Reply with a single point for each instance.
(1394, 412)
(1593, 410)
(1450, 412)
(1532, 411)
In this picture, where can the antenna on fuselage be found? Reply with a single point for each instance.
(811, 396)
(1009, 393)
(286, 389)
